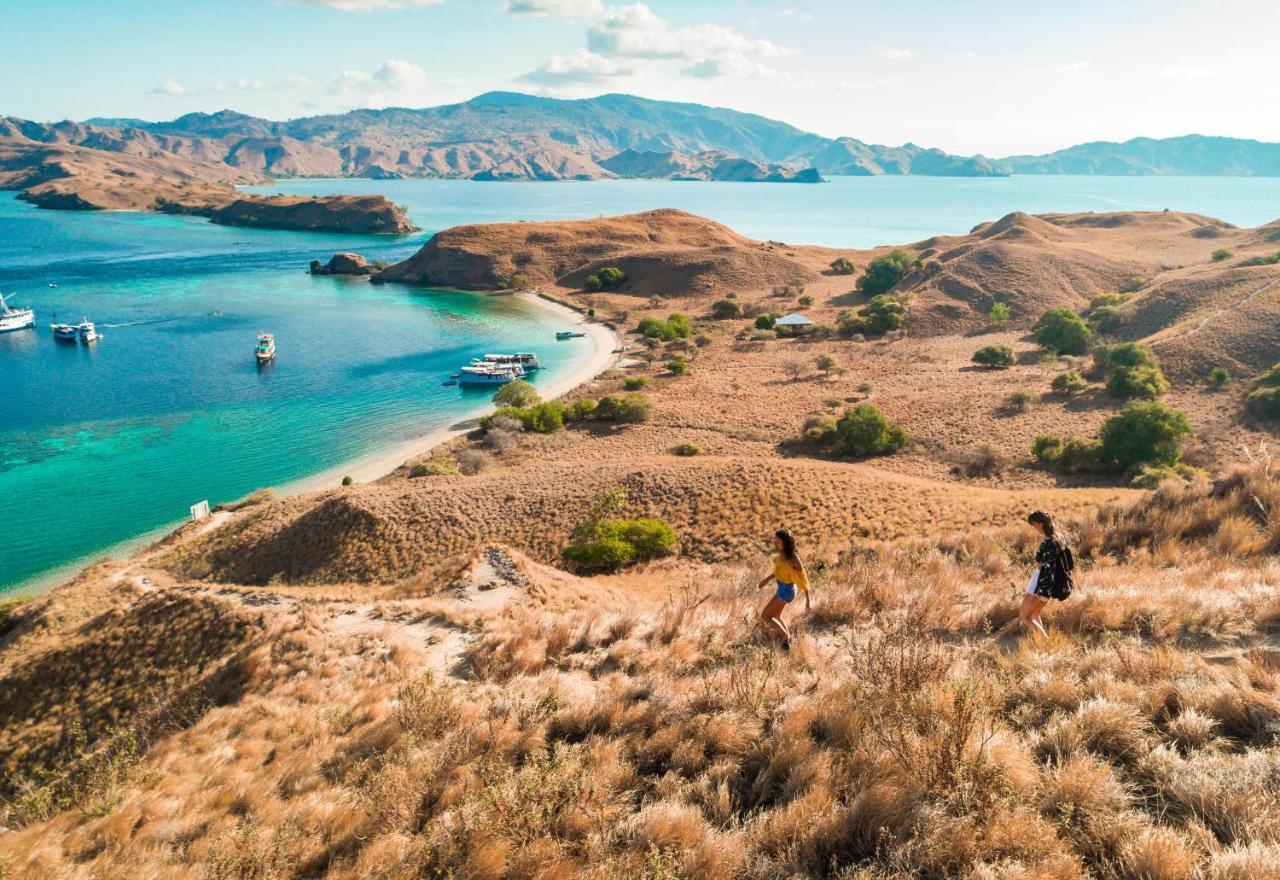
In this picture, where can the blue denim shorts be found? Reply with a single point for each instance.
(786, 592)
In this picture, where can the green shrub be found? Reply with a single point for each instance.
(634, 383)
(999, 313)
(863, 431)
(678, 366)
(1140, 381)
(1063, 331)
(1106, 319)
(1269, 379)
(580, 410)
(765, 322)
(883, 273)
(1108, 299)
(686, 450)
(540, 418)
(632, 408)
(1143, 433)
(7, 607)
(611, 277)
(676, 326)
(997, 356)
(805, 301)
(1021, 399)
(1263, 403)
(1046, 449)
(1068, 383)
(819, 428)
(882, 314)
(1134, 284)
(517, 394)
(702, 340)
(1219, 377)
(439, 466)
(1150, 477)
(1081, 454)
(724, 309)
(843, 266)
(1222, 254)
(679, 325)
(347, 481)
(606, 543)
(1268, 261)
(827, 363)
(520, 281)
(1134, 370)
(592, 284)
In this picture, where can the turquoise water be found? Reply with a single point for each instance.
(101, 445)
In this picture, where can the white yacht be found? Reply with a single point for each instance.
(526, 361)
(15, 319)
(87, 332)
(482, 373)
(266, 350)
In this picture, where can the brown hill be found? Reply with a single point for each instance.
(664, 253)
(364, 214)
(1034, 263)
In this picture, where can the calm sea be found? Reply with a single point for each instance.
(101, 445)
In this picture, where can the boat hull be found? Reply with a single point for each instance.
(17, 321)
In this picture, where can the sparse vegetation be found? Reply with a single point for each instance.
(634, 383)
(678, 366)
(843, 266)
(765, 322)
(517, 394)
(686, 450)
(347, 481)
(1021, 399)
(676, 326)
(881, 315)
(521, 281)
(1062, 331)
(1133, 370)
(827, 363)
(1222, 254)
(606, 543)
(995, 356)
(883, 273)
(253, 499)
(1219, 377)
(999, 313)
(1134, 284)
(608, 278)
(1269, 260)
(630, 408)
(861, 432)
(726, 309)
(1068, 383)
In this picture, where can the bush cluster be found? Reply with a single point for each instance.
(676, 326)
(1141, 435)
(883, 273)
(1221, 254)
(686, 450)
(882, 314)
(1263, 401)
(861, 432)
(1132, 370)
(843, 266)
(1000, 313)
(996, 356)
(607, 542)
(608, 278)
(1062, 331)
(1068, 383)
(725, 309)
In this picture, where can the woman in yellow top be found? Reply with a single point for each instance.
(789, 572)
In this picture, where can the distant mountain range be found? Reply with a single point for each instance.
(511, 136)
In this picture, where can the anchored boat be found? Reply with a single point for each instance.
(526, 361)
(482, 373)
(266, 350)
(87, 332)
(15, 319)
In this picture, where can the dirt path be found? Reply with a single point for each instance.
(1214, 315)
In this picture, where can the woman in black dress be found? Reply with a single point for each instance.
(1049, 564)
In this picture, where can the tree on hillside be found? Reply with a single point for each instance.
(843, 266)
(863, 431)
(997, 356)
(1063, 331)
(1144, 433)
(883, 273)
(518, 394)
(1000, 313)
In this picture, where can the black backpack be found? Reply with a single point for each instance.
(1063, 566)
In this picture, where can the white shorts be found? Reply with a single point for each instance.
(1031, 584)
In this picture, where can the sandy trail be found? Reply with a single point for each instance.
(1214, 315)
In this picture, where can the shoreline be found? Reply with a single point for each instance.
(367, 468)
(376, 465)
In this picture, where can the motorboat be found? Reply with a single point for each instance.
(87, 332)
(568, 334)
(266, 350)
(526, 361)
(65, 332)
(15, 319)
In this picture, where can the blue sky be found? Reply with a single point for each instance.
(993, 76)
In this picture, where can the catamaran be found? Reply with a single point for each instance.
(15, 319)
(87, 332)
(526, 361)
(266, 350)
(482, 373)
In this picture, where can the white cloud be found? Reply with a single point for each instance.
(897, 55)
(795, 13)
(173, 89)
(1186, 73)
(556, 8)
(393, 82)
(581, 67)
(369, 5)
(170, 88)
(635, 33)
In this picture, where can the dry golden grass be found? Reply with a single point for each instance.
(907, 734)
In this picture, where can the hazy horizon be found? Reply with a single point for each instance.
(992, 78)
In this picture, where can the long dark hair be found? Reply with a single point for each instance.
(1043, 519)
(788, 545)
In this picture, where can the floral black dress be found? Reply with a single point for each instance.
(1047, 557)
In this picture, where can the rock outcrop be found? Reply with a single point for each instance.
(342, 264)
(363, 214)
